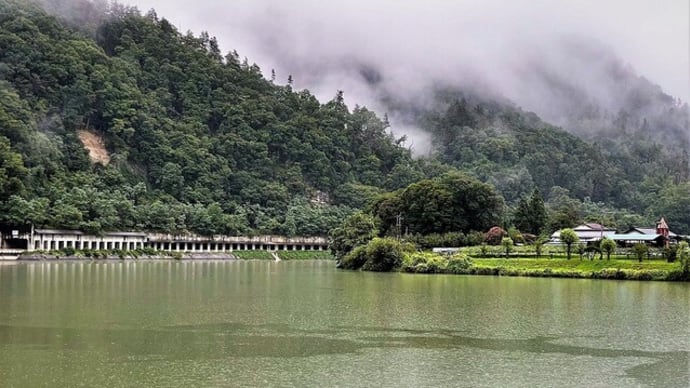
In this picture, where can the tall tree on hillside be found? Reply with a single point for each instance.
(564, 210)
(521, 217)
(537, 212)
(530, 215)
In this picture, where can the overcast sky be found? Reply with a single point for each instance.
(309, 38)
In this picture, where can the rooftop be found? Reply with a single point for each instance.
(635, 237)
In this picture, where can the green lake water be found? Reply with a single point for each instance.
(238, 324)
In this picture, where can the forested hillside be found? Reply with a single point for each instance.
(203, 141)
(625, 178)
(198, 141)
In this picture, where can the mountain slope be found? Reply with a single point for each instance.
(609, 180)
(200, 141)
(203, 140)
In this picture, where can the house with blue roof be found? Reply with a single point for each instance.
(591, 233)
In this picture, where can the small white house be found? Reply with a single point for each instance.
(587, 233)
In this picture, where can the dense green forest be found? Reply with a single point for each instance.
(198, 141)
(202, 141)
(624, 179)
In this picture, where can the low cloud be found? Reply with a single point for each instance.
(376, 49)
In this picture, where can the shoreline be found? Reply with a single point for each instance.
(174, 256)
(549, 268)
(477, 268)
(612, 274)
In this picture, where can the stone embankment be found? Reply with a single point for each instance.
(175, 256)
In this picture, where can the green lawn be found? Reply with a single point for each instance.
(618, 268)
(305, 255)
(577, 264)
(253, 255)
(621, 269)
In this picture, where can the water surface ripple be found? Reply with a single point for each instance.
(306, 324)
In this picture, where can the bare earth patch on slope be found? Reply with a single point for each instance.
(96, 147)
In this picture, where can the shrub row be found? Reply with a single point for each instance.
(608, 273)
(427, 262)
(379, 255)
(101, 254)
(305, 255)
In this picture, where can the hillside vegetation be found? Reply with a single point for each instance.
(190, 139)
(197, 141)
(621, 177)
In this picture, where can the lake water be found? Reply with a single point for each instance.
(225, 324)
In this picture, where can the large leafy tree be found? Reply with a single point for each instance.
(452, 202)
(640, 250)
(569, 237)
(607, 245)
(356, 230)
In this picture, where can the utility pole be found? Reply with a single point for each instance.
(398, 224)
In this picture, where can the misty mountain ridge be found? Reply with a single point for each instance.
(578, 84)
(598, 97)
(212, 143)
(574, 82)
(620, 119)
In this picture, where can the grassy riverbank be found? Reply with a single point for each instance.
(596, 269)
(621, 269)
(284, 255)
(305, 255)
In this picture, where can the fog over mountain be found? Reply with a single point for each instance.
(559, 59)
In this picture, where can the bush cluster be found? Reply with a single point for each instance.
(435, 240)
(427, 262)
(380, 255)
